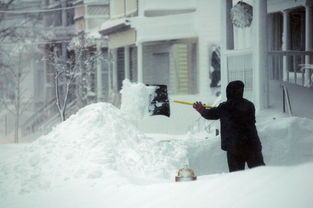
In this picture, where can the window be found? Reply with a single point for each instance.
(183, 68)
(122, 8)
(173, 64)
(117, 8)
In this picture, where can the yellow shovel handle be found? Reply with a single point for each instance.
(187, 103)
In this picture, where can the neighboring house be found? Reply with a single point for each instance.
(273, 56)
(164, 42)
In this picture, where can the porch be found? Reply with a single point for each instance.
(290, 82)
(275, 51)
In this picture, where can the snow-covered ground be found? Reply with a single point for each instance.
(259, 188)
(98, 158)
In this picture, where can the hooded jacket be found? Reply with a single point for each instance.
(237, 117)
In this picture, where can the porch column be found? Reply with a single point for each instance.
(286, 43)
(229, 26)
(139, 64)
(140, 8)
(64, 13)
(114, 70)
(126, 62)
(45, 75)
(110, 66)
(308, 41)
(203, 67)
(260, 55)
(99, 74)
(226, 42)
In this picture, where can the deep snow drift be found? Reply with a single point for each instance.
(270, 187)
(99, 152)
(93, 143)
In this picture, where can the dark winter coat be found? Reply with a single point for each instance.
(237, 117)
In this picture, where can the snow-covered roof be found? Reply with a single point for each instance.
(91, 2)
(96, 1)
(169, 5)
(280, 5)
(164, 27)
(94, 34)
(113, 25)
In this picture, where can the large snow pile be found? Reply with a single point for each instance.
(94, 143)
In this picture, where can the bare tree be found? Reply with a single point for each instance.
(66, 72)
(16, 100)
(73, 68)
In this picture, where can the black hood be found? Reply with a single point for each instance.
(234, 90)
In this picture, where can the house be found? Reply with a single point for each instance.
(163, 42)
(273, 57)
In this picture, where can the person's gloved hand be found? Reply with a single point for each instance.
(199, 107)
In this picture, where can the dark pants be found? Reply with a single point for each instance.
(237, 161)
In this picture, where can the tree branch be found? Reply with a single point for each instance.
(7, 106)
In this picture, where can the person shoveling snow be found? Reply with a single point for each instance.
(238, 132)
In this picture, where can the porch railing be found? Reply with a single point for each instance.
(45, 118)
(34, 122)
(291, 66)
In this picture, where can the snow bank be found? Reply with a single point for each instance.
(285, 141)
(95, 143)
(269, 187)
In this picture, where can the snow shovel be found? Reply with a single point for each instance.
(160, 104)
(187, 103)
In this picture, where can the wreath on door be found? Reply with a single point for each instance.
(242, 14)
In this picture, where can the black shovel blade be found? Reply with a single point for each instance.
(160, 104)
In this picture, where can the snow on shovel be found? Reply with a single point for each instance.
(139, 100)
